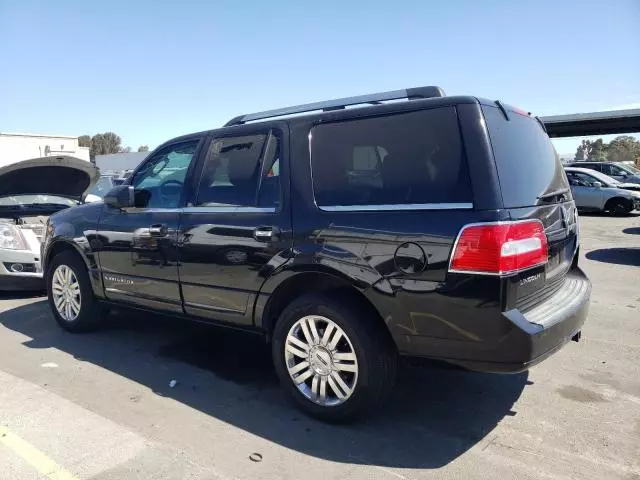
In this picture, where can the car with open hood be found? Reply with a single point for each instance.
(31, 191)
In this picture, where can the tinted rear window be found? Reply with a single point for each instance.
(527, 163)
(408, 158)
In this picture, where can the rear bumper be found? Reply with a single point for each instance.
(532, 336)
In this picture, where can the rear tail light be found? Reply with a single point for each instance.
(499, 248)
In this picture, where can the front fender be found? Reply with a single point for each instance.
(74, 229)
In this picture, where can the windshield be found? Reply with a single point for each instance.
(27, 200)
(528, 166)
(602, 178)
(629, 168)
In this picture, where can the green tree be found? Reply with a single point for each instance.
(125, 150)
(84, 141)
(598, 151)
(143, 148)
(624, 148)
(595, 151)
(105, 143)
(582, 151)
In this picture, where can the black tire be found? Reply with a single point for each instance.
(619, 207)
(376, 357)
(90, 314)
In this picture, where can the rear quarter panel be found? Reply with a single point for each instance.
(363, 247)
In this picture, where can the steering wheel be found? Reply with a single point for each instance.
(176, 187)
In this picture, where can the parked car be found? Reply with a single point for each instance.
(120, 180)
(30, 191)
(99, 189)
(594, 191)
(439, 227)
(621, 171)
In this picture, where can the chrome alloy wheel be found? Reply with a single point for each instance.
(321, 360)
(66, 293)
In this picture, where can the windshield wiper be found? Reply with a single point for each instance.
(557, 193)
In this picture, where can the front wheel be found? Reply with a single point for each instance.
(70, 294)
(334, 361)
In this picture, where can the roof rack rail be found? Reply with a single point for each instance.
(340, 103)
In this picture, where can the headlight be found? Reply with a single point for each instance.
(11, 237)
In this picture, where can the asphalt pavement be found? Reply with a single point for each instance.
(99, 406)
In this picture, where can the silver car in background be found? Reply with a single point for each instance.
(597, 192)
(620, 171)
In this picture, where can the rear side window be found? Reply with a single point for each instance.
(241, 171)
(403, 159)
(527, 164)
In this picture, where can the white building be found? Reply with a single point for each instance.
(119, 162)
(23, 146)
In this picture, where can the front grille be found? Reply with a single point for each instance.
(529, 301)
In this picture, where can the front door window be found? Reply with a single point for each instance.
(158, 184)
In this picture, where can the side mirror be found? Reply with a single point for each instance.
(597, 184)
(120, 197)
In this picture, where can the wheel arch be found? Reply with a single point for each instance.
(609, 203)
(291, 284)
(60, 245)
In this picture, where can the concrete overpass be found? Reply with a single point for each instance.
(595, 123)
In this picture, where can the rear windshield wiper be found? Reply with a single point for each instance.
(557, 193)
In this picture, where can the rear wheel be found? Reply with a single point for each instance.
(334, 362)
(618, 207)
(70, 294)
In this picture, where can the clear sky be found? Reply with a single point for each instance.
(151, 70)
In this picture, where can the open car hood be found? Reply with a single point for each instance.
(62, 176)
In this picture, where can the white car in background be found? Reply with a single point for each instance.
(31, 191)
(99, 189)
(595, 191)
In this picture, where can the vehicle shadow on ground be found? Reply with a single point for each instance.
(608, 215)
(434, 416)
(632, 230)
(617, 256)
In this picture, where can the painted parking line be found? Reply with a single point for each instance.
(53, 436)
(34, 457)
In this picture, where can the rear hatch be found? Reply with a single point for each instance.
(534, 186)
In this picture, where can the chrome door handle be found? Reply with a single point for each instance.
(265, 234)
(158, 230)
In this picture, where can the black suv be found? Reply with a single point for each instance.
(440, 227)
